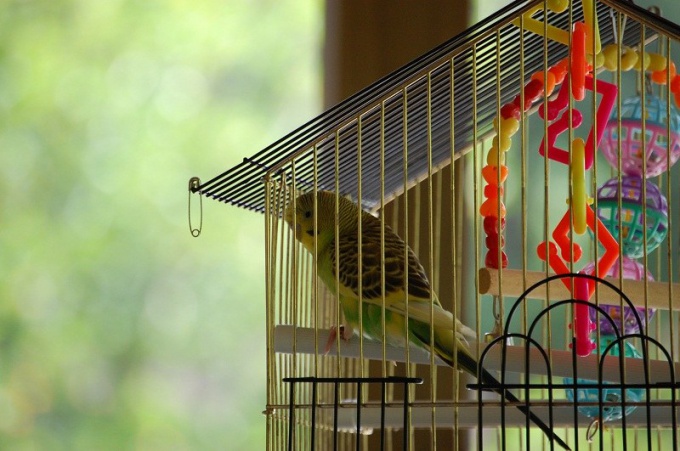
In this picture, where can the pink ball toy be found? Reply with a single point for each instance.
(656, 152)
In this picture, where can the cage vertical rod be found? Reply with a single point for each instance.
(645, 261)
(417, 209)
(268, 300)
(475, 172)
(619, 81)
(336, 245)
(391, 368)
(500, 155)
(669, 192)
(315, 301)
(315, 268)
(524, 130)
(293, 303)
(454, 238)
(408, 366)
(360, 258)
(430, 256)
(547, 332)
(280, 312)
(304, 319)
(382, 244)
(661, 178)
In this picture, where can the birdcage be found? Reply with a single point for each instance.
(482, 156)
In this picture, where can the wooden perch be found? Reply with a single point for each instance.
(513, 285)
(561, 360)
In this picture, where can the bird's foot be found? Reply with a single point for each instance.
(345, 335)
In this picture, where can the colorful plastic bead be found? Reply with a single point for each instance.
(508, 126)
(493, 225)
(611, 58)
(559, 70)
(643, 60)
(492, 241)
(511, 110)
(533, 90)
(491, 191)
(492, 207)
(558, 6)
(502, 141)
(490, 174)
(494, 157)
(656, 62)
(549, 80)
(629, 58)
(675, 84)
(491, 260)
(660, 76)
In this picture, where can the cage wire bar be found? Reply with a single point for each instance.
(410, 150)
(241, 185)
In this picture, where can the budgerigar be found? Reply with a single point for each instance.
(421, 299)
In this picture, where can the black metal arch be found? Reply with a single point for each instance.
(599, 385)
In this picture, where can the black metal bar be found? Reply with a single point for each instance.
(353, 380)
(336, 381)
(674, 426)
(574, 365)
(480, 417)
(527, 396)
(291, 416)
(336, 401)
(358, 441)
(382, 416)
(406, 419)
(314, 387)
(624, 437)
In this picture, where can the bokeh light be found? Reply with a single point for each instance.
(118, 329)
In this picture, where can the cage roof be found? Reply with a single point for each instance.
(480, 66)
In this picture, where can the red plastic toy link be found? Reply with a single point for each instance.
(579, 65)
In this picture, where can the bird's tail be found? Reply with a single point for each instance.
(465, 360)
(444, 346)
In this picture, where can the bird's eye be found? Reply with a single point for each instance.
(308, 214)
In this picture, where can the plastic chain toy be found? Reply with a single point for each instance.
(581, 62)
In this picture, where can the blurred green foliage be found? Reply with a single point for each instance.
(118, 330)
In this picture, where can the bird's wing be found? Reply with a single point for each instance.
(423, 304)
(347, 264)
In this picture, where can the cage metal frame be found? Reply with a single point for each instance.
(329, 152)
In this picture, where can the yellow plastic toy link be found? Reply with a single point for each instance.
(557, 34)
(579, 199)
